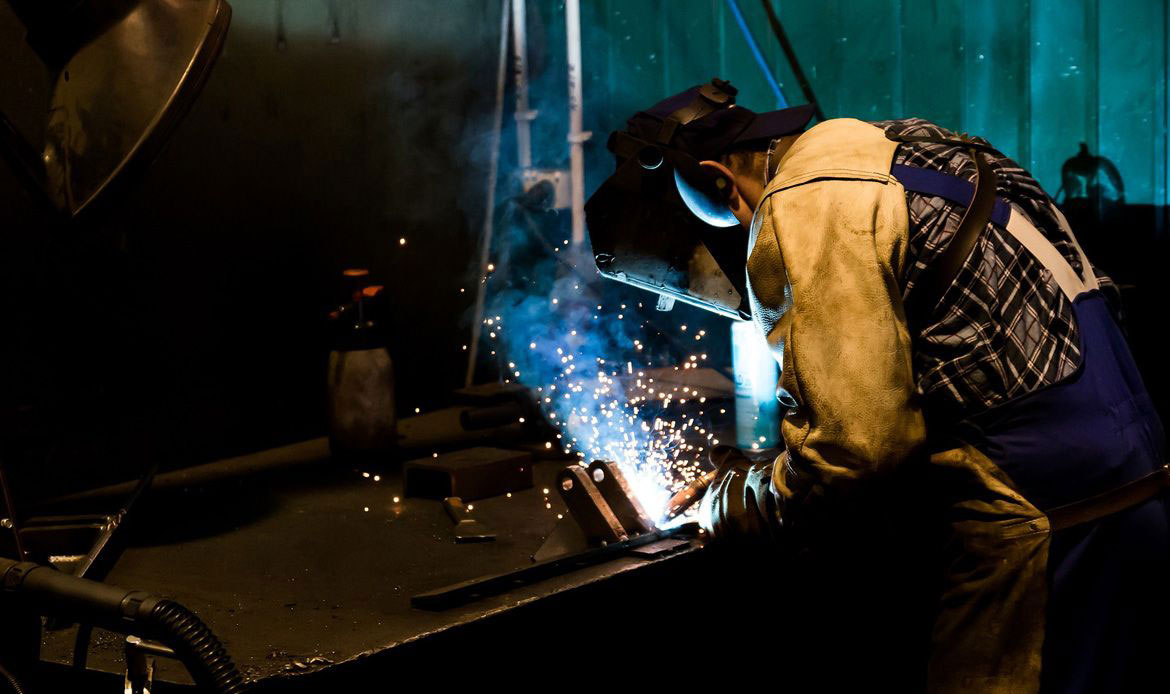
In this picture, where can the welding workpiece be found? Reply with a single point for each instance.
(602, 503)
(467, 529)
(617, 492)
(606, 521)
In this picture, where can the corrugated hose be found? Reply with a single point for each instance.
(48, 591)
(196, 646)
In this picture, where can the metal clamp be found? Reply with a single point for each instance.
(140, 655)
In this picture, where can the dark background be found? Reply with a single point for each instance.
(192, 312)
(187, 322)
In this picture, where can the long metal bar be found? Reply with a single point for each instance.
(485, 249)
(107, 548)
(484, 586)
(524, 115)
(96, 564)
(577, 136)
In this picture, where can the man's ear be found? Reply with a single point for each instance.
(725, 173)
(735, 201)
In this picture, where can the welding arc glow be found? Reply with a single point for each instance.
(606, 408)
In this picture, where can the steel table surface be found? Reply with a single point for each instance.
(308, 565)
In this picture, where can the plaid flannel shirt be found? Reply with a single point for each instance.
(1003, 328)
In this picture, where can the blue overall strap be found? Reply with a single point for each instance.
(947, 186)
(979, 208)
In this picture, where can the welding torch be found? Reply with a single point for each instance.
(688, 495)
(721, 457)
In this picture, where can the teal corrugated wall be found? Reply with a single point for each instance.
(1036, 77)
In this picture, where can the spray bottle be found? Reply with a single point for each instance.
(362, 420)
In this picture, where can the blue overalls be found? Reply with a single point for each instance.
(1108, 607)
(1108, 580)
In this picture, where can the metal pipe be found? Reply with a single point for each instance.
(577, 136)
(485, 248)
(524, 115)
(755, 48)
(688, 495)
(476, 418)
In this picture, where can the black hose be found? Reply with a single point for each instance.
(12, 682)
(196, 646)
(50, 592)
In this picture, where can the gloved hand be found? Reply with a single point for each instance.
(740, 505)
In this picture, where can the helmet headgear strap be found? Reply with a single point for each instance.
(711, 97)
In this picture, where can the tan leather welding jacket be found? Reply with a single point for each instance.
(828, 247)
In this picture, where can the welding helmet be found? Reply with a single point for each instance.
(662, 221)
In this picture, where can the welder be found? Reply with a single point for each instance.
(950, 360)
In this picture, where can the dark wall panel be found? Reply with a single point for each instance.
(192, 315)
(330, 130)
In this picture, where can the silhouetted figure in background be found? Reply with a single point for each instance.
(1092, 196)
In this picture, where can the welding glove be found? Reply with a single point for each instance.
(740, 506)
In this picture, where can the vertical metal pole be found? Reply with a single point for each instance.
(576, 135)
(485, 248)
(524, 115)
(10, 508)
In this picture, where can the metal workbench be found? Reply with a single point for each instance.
(305, 568)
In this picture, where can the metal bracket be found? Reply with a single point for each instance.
(602, 502)
(140, 655)
(617, 492)
(602, 507)
(589, 508)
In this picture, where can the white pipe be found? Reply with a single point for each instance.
(524, 115)
(576, 135)
(485, 248)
